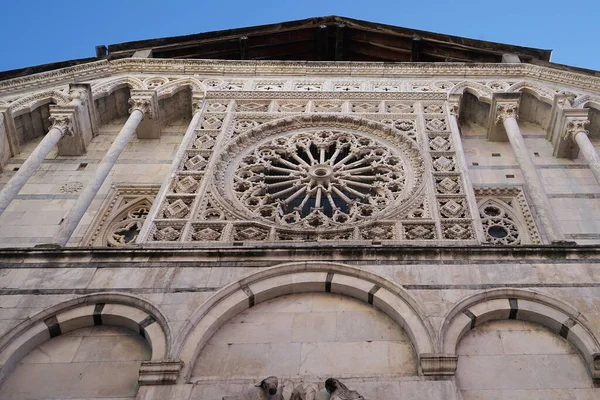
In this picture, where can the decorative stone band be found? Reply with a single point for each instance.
(438, 364)
(506, 109)
(62, 122)
(160, 372)
(574, 126)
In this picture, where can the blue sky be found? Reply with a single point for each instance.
(41, 31)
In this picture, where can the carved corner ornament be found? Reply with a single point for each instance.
(506, 110)
(62, 122)
(197, 102)
(438, 364)
(163, 372)
(574, 126)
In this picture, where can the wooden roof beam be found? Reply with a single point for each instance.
(415, 50)
(340, 32)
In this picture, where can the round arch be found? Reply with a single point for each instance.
(29, 103)
(587, 101)
(103, 89)
(99, 309)
(523, 305)
(170, 88)
(539, 92)
(302, 277)
(482, 92)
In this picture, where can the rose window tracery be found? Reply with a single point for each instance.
(322, 178)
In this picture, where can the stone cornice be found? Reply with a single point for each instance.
(276, 253)
(104, 68)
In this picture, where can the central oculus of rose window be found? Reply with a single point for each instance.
(323, 178)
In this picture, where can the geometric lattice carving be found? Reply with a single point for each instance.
(121, 216)
(506, 217)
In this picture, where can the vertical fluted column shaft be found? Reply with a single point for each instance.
(87, 195)
(460, 154)
(589, 152)
(33, 162)
(535, 188)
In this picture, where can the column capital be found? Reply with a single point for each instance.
(506, 109)
(197, 102)
(454, 104)
(144, 101)
(63, 122)
(575, 125)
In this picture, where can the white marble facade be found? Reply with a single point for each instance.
(183, 229)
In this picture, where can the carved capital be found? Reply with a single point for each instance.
(574, 126)
(143, 104)
(454, 104)
(163, 372)
(565, 99)
(197, 103)
(62, 122)
(438, 364)
(508, 109)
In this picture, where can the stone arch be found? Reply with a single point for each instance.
(541, 93)
(103, 89)
(525, 305)
(128, 216)
(482, 92)
(98, 309)
(587, 101)
(170, 88)
(29, 103)
(301, 278)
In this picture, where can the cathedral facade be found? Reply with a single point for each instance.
(318, 209)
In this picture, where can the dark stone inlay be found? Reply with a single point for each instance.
(514, 308)
(250, 295)
(472, 316)
(328, 281)
(566, 327)
(372, 293)
(98, 313)
(53, 326)
(149, 320)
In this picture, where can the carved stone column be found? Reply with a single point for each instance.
(61, 126)
(576, 131)
(454, 104)
(198, 106)
(506, 112)
(140, 107)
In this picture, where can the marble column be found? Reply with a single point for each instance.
(462, 161)
(139, 108)
(576, 130)
(506, 112)
(61, 125)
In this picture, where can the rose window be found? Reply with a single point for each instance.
(323, 178)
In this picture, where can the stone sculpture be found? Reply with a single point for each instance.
(269, 389)
(339, 391)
